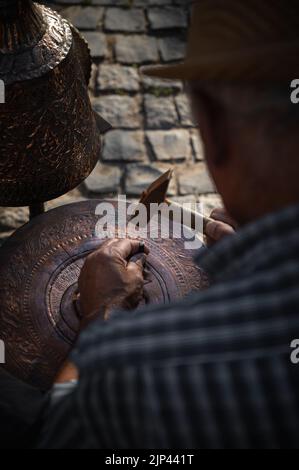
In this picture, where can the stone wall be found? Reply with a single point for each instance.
(152, 124)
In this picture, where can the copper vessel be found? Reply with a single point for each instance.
(49, 135)
(39, 268)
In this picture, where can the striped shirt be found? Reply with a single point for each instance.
(213, 371)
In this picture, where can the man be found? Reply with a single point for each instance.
(213, 371)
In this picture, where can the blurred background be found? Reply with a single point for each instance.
(152, 124)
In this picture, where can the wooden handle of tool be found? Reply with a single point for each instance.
(196, 217)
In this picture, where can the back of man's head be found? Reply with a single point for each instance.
(251, 138)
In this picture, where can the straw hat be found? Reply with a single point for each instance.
(239, 40)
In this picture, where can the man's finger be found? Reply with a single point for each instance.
(217, 230)
(221, 215)
(125, 248)
(136, 271)
(139, 259)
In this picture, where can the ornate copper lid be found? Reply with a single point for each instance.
(39, 269)
(49, 135)
(33, 40)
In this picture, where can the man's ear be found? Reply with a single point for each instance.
(212, 122)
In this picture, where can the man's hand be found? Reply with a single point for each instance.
(222, 226)
(109, 279)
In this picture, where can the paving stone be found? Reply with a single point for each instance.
(150, 3)
(194, 179)
(139, 177)
(111, 3)
(126, 3)
(124, 146)
(183, 2)
(167, 18)
(93, 78)
(170, 145)
(68, 2)
(117, 77)
(190, 199)
(54, 6)
(160, 87)
(172, 49)
(125, 20)
(136, 49)
(160, 112)
(104, 179)
(86, 18)
(197, 145)
(119, 111)
(11, 218)
(156, 2)
(97, 44)
(184, 110)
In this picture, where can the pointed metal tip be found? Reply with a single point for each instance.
(169, 173)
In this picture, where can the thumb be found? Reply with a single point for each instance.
(140, 260)
(136, 268)
(218, 230)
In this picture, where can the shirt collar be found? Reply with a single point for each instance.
(254, 247)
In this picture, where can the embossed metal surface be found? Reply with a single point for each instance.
(49, 136)
(33, 41)
(39, 269)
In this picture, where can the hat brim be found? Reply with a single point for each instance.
(205, 69)
(181, 71)
(246, 64)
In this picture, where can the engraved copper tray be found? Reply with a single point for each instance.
(39, 268)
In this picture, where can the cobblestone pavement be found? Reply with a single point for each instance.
(153, 128)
